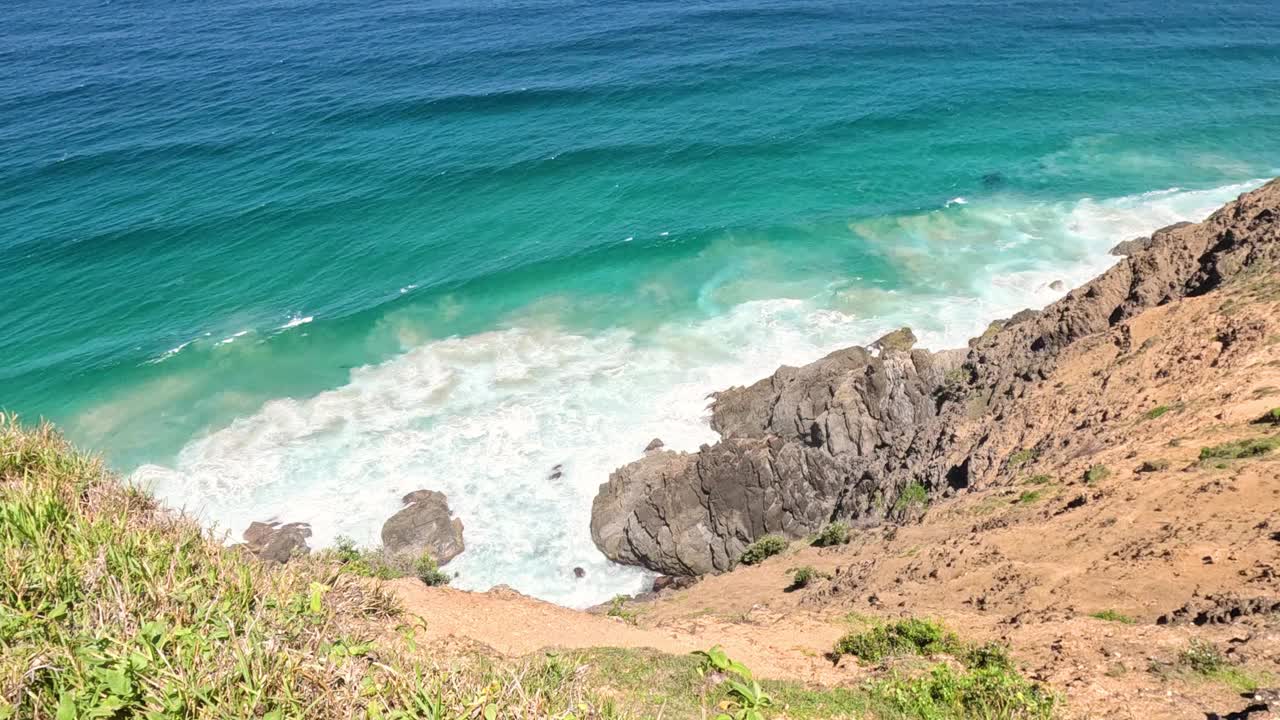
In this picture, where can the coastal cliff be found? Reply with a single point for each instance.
(868, 434)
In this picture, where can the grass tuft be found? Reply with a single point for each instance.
(765, 547)
(913, 495)
(1112, 616)
(1238, 449)
(1096, 474)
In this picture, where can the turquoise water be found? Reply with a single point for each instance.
(297, 258)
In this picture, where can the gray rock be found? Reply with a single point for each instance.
(1130, 247)
(654, 444)
(276, 542)
(579, 573)
(900, 340)
(1057, 286)
(424, 524)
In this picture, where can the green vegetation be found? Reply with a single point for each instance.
(989, 686)
(1204, 659)
(837, 533)
(802, 576)
(377, 563)
(1027, 497)
(113, 607)
(1253, 447)
(1022, 457)
(765, 547)
(913, 495)
(1096, 474)
(1039, 480)
(1150, 466)
(1271, 416)
(1112, 616)
(1157, 411)
(912, 636)
(618, 609)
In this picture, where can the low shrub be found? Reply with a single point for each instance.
(1157, 411)
(1028, 497)
(802, 576)
(765, 547)
(837, 533)
(912, 636)
(1150, 466)
(1039, 480)
(912, 495)
(1096, 474)
(1253, 447)
(1022, 457)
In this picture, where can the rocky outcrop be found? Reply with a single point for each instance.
(424, 524)
(276, 542)
(799, 448)
(842, 437)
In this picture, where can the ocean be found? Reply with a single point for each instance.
(294, 259)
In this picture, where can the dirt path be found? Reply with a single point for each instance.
(772, 644)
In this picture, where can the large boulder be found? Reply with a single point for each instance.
(424, 524)
(842, 437)
(277, 542)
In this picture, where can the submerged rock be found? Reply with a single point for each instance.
(579, 573)
(425, 524)
(276, 542)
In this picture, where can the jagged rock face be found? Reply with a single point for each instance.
(797, 451)
(841, 437)
(425, 524)
(274, 542)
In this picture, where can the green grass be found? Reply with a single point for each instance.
(1096, 474)
(1239, 449)
(913, 495)
(618, 609)
(1157, 465)
(765, 547)
(1157, 411)
(837, 533)
(1022, 457)
(1028, 497)
(1204, 659)
(1039, 480)
(1112, 616)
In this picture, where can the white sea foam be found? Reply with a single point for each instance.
(232, 338)
(486, 418)
(295, 321)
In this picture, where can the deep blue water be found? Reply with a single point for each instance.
(297, 258)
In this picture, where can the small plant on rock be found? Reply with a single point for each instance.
(429, 572)
(837, 533)
(913, 495)
(1270, 417)
(1028, 497)
(1096, 474)
(1022, 457)
(618, 609)
(1150, 466)
(745, 698)
(765, 547)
